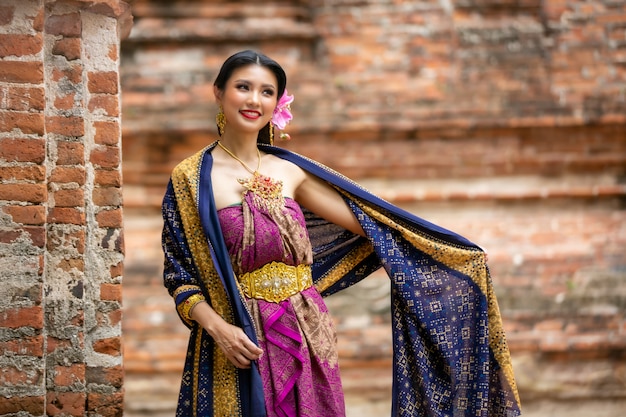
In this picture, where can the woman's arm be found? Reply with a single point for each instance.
(322, 199)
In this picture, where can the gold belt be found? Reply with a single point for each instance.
(276, 281)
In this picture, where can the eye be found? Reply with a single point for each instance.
(242, 86)
(268, 92)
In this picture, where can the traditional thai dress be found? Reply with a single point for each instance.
(271, 254)
(450, 354)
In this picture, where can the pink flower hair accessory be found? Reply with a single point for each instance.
(282, 113)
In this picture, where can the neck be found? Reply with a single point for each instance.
(252, 169)
(244, 147)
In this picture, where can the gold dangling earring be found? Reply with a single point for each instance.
(271, 133)
(220, 119)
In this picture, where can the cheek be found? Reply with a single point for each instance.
(269, 106)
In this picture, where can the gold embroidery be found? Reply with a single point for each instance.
(184, 288)
(195, 375)
(355, 257)
(185, 180)
(276, 281)
(186, 306)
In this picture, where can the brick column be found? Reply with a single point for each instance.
(61, 240)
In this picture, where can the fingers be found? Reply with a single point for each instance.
(237, 347)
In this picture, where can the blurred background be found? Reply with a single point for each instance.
(503, 120)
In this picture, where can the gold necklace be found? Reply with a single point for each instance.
(267, 193)
(228, 151)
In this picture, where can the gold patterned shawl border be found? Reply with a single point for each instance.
(185, 180)
(349, 262)
(470, 262)
(195, 374)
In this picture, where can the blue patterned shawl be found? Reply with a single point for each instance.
(450, 354)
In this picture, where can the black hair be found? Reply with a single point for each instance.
(249, 57)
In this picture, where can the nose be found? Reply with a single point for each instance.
(254, 98)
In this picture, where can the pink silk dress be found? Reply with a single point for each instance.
(299, 366)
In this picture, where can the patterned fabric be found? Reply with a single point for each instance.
(255, 237)
(450, 353)
(299, 366)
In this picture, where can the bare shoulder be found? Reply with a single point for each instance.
(289, 173)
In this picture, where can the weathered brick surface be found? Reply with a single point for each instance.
(54, 256)
(70, 48)
(500, 119)
(66, 403)
(21, 98)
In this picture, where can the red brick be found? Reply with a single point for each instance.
(106, 103)
(66, 216)
(110, 346)
(20, 173)
(23, 150)
(66, 404)
(37, 235)
(70, 153)
(21, 72)
(30, 346)
(38, 20)
(113, 53)
(70, 48)
(69, 198)
(107, 196)
(107, 133)
(6, 14)
(67, 126)
(109, 218)
(22, 317)
(32, 215)
(99, 375)
(73, 74)
(65, 175)
(31, 405)
(103, 82)
(105, 156)
(20, 45)
(115, 317)
(28, 123)
(111, 292)
(22, 98)
(9, 236)
(67, 102)
(23, 376)
(108, 178)
(117, 270)
(53, 344)
(68, 25)
(32, 193)
(64, 376)
(109, 405)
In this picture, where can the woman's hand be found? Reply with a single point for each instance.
(237, 347)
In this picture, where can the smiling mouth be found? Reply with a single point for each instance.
(250, 114)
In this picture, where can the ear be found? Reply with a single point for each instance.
(218, 94)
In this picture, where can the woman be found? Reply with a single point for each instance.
(254, 234)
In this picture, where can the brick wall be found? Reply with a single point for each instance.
(504, 120)
(61, 241)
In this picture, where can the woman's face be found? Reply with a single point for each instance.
(248, 99)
